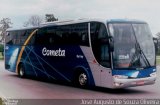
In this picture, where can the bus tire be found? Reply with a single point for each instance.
(82, 79)
(21, 71)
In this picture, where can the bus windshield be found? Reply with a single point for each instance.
(133, 45)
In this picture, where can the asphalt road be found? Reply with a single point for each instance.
(13, 87)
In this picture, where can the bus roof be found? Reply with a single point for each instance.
(125, 21)
(79, 21)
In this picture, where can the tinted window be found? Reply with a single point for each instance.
(75, 34)
(17, 37)
(100, 49)
(46, 36)
(8, 38)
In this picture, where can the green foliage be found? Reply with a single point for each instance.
(5, 23)
(1, 48)
(158, 60)
(1, 51)
(0, 101)
(158, 52)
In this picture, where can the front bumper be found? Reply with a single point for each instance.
(123, 83)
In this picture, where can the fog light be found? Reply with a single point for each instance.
(118, 84)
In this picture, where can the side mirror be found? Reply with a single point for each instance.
(104, 40)
(111, 43)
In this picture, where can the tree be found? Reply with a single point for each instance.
(158, 34)
(5, 23)
(158, 42)
(34, 20)
(155, 40)
(50, 18)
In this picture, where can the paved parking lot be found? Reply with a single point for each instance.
(14, 87)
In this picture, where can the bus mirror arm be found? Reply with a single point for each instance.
(110, 37)
(111, 43)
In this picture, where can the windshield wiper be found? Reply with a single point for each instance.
(138, 54)
(145, 58)
(135, 60)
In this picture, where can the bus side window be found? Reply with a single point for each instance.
(74, 34)
(32, 40)
(74, 38)
(9, 38)
(85, 40)
(65, 39)
(53, 35)
(81, 34)
(41, 37)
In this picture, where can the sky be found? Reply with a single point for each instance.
(19, 11)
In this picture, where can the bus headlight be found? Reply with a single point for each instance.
(120, 76)
(153, 74)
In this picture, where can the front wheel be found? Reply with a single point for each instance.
(82, 79)
(21, 71)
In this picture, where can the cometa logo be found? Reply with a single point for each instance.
(59, 52)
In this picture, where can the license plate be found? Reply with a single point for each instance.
(140, 82)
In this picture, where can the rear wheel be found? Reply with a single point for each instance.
(21, 71)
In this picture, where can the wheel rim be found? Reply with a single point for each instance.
(21, 72)
(82, 79)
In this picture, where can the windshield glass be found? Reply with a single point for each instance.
(133, 45)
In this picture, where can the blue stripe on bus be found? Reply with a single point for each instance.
(54, 67)
(141, 73)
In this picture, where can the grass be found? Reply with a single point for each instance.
(1, 101)
(1, 57)
(158, 60)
